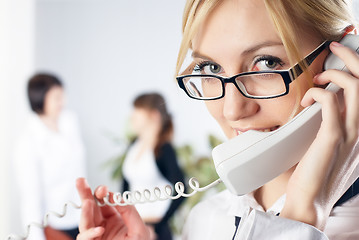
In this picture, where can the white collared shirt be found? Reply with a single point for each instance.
(214, 218)
(47, 164)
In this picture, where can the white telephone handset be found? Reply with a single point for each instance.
(253, 158)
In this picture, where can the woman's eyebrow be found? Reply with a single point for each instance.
(199, 55)
(256, 47)
(248, 51)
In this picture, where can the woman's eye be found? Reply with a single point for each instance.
(267, 63)
(208, 68)
(270, 64)
(214, 68)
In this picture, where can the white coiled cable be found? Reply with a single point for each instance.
(128, 198)
(45, 221)
(135, 197)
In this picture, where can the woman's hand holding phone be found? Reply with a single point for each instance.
(120, 222)
(320, 177)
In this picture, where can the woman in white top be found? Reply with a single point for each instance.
(151, 161)
(230, 37)
(48, 158)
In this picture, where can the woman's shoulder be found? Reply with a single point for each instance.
(167, 145)
(166, 149)
(34, 130)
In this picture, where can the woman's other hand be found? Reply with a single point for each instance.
(120, 222)
(320, 178)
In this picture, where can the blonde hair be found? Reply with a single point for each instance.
(327, 18)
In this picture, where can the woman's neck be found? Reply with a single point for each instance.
(269, 193)
(50, 122)
(149, 135)
(148, 139)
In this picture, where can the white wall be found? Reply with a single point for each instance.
(16, 61)
(107, 52)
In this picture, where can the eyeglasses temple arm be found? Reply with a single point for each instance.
(297, 70)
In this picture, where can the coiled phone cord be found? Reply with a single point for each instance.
(129, 198)
(45, 221)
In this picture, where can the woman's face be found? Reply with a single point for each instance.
(239, 36)
(141, 119)
(54, 102)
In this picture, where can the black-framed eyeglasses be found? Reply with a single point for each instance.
(256, 84)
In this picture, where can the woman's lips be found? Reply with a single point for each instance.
(240, 131)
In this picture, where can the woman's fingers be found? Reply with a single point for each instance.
(91, 233)
(329, 136)
(340, 112)
(92, 215)
(350, 85)
(136, 227)
(87, 226)
(129, 214)
(101, 192)
(87, 218)
(348, 56)
(83, 189)
(107, 211)
(86, 195)
(332, 122)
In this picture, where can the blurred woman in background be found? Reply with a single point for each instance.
(49, 156)
(151, 161)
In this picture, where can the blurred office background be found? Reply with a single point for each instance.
(106, 52)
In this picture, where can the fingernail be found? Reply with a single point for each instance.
(336, 44)
(86, 183)
(317, 76)
(97, 229)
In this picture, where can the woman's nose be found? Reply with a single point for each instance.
(236, 106)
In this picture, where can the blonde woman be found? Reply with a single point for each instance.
(235, 36)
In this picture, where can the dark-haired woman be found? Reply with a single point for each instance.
(151, 161)
(49, 156)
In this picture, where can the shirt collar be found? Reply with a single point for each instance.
(240, 204)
